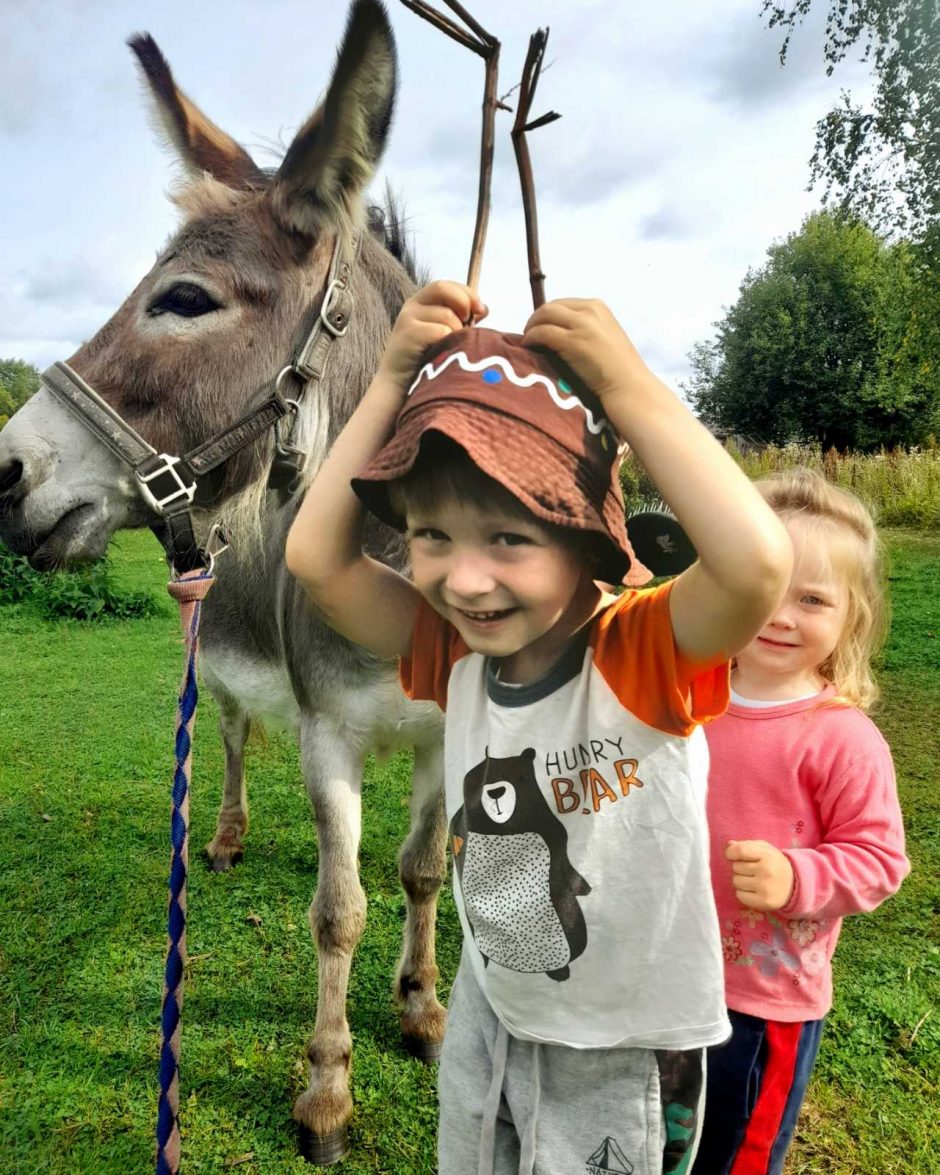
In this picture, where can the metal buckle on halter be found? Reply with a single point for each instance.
(160, 483)
(283, 444)
(335, 286)
(289, 459)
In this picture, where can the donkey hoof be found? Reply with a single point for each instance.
(222, 864)
(428, 1051)
(323, 1149)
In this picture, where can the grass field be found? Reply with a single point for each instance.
(86, 719)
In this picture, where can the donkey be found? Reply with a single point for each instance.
(200, 340)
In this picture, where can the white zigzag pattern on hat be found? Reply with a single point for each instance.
(570, 400)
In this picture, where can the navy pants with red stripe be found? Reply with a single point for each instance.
(755, 1087)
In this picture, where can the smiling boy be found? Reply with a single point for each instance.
(591, 976)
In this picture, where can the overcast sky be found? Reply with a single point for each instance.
(681, 154)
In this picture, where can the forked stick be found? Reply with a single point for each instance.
(486, 46)
(530, 79)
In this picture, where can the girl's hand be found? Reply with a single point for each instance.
(428, 316)
(591, 341)
(762, 876)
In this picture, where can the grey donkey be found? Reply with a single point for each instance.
(197, 343)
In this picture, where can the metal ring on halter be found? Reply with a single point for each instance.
(216, 543)
(290, 369)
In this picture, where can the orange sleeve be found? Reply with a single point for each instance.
(635, 653)
(436, 647)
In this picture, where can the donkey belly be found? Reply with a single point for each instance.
(261, 688)
(371, 711)
(379, 715)
(259, 662)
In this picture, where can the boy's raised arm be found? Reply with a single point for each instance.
(721, 602)
(365, 600)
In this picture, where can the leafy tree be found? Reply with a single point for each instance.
(908, 316)
(884, 162)
(18, 381)
(823, 344)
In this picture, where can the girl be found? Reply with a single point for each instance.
(804, 820)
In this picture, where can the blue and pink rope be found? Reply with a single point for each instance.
(189, 591)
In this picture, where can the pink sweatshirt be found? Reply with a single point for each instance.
(817, 781)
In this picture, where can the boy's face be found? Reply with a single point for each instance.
(509, 585)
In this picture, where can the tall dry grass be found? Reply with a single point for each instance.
(900, 488)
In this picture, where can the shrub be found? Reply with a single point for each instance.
(90, 594)
(638, 489)
(86, 594)
(17, 578)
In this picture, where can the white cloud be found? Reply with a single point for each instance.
(681, 151)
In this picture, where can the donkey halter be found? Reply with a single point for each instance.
(168, 483)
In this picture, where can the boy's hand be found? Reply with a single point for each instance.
(591, 341)
(428, 316)
(762, 876)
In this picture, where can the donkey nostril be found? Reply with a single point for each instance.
(10, 476)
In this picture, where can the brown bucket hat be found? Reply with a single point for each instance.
(528, 423)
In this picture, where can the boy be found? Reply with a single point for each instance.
(591, 976)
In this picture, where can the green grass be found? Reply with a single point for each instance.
(86, 720)
(872, 1107)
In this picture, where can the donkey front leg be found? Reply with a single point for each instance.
(333, 774)
(422, 867)
(226, 849)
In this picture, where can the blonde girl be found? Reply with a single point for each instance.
(804, 820)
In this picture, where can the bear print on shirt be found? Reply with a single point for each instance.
(520, 891)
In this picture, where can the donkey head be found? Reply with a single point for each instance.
(229, 299)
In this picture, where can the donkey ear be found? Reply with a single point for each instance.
(201, 145)
(336, 151)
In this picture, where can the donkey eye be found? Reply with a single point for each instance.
(185, 299)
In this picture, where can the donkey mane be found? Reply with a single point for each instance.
(207, 196)
(388, 222)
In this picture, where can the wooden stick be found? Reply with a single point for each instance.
(445, 24)
(485, 45)
(485, 37)
(527, 87)
(487, 144)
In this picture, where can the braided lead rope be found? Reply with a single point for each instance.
(189, 591)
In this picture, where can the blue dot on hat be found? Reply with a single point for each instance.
(492, 375)
(565, 386)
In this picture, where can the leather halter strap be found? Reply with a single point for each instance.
(168, 483)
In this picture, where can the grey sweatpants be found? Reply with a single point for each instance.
(510, 1106)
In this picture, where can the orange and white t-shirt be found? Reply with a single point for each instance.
(576, 809)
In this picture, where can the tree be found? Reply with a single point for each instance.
(18, 381)
(823, 344)
(884, 163)
(908, 316)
